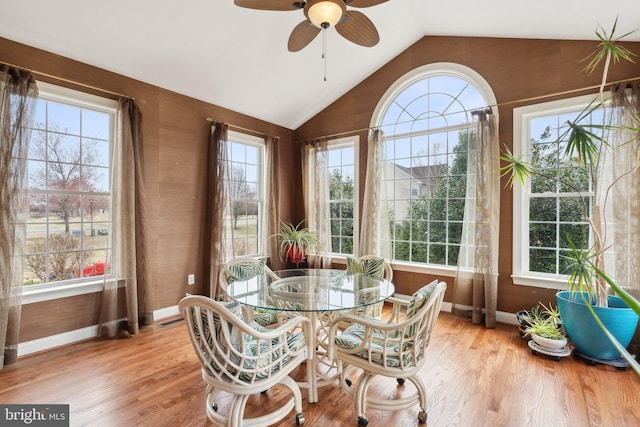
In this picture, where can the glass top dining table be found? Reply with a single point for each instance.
(310, 290)
(318, 294)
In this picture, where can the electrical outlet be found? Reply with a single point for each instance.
(191, 279)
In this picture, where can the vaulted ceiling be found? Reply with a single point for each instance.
(237, 58)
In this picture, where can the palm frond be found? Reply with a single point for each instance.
(579, 266)
(608, 45)
(516, 169)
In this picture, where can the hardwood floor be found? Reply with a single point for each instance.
(475, 377)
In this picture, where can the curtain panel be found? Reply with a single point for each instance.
(315, 183)
(128, 207)
(271, 215)
(476, 281)
(375, 229)
(217, 207)
(621, 204)
(18, 96)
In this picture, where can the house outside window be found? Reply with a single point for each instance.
(426, 118)
(549, 214)
(246, 191)
(69, 237)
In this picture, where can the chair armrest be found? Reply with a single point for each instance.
(399, 307)
(368, 323)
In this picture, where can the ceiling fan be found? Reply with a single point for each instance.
(322, 14)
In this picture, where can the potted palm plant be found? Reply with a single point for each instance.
(296, 242)
(598, 324)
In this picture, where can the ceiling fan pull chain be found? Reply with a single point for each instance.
(324, 52)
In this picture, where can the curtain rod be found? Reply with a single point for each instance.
(235, 127)
(62, 79)
(517, 101)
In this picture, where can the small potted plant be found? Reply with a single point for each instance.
(545, 328)
(296, 242)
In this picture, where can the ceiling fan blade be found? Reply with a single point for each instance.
(364, 3)
(358, 29)
(267, 4)
(302, 35)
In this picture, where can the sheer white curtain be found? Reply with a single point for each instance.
(218, 207)
(128, 211)
(375, 230)
(18, 94)
(271, 214)
(476, 282)
(315, 157)
(620, 164)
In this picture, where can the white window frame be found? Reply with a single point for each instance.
(440, 68)
(54, 290)
(350, 141)
(259, 143)
(521, 140)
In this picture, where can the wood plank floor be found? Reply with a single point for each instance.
(475, 377)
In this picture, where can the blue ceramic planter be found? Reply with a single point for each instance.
(585, 334)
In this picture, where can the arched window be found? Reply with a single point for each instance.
(426, 118)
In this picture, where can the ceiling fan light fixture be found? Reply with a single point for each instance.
(325, 13)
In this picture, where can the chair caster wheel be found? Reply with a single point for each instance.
(347, 382)
(400, 381)
(362, 421)
(299, 419)
(422, 417)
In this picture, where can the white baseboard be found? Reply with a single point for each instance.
(52, 341)
(46, 343)
(501, 316)
(163, 313)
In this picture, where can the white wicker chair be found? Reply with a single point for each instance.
(244, 359)
(393, 349)
(244, 268)
(366, 264)
(370, 265)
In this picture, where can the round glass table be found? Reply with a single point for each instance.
(319, 294)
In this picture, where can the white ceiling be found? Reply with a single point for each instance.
(237, 58)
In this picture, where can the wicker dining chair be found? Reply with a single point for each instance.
(374, 266)
(244, 268)
(243, 358)
(393, 348)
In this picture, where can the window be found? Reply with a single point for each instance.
(426, 118)
(68, 169)
(341, 171)
(547, 214)
(336, 169)
(246, 192)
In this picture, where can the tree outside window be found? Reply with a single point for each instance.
(68, 232)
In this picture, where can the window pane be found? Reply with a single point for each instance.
(340, 170)
(559, 196)
(428, 166)
(68, 172)
(245, 189)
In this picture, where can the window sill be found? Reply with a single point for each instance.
(409, 267)
(558, 282)
(46, 293)
(424, 269)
